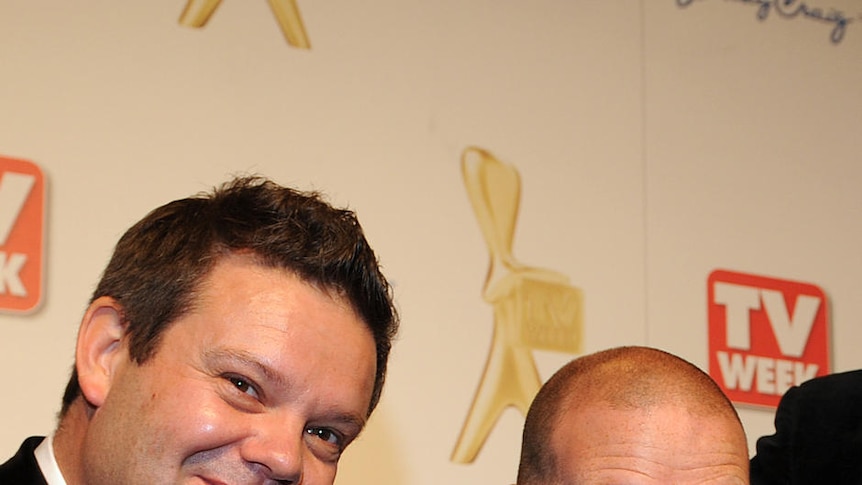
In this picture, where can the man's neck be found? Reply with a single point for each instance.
(69, 442)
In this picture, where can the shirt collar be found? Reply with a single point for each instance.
(48, 462)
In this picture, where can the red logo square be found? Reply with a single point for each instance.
(765, 335)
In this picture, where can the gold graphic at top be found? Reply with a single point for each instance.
(533, 308)
(198, 12)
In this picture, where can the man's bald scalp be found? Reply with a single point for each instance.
(624, 378)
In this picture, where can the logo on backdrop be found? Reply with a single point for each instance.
(797, 9)
(765, 335)
(22, 203)
(198, 12)
(534, 308)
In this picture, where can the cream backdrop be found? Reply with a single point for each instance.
(656, 142)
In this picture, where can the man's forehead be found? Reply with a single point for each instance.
(231, 265)
(613, 421)
(601, 440)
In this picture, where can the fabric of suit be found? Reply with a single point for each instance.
(22, 469)
(818, 435)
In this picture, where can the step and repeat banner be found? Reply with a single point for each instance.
(540, 180)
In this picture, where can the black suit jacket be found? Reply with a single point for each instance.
(818, 435)
(22, 468)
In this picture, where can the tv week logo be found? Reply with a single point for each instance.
(22, 201)
(765, 335)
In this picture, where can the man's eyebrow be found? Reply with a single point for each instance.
(244, 358)
(351, 420)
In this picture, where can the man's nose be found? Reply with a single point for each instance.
(277, 450)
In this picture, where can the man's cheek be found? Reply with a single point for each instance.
(208, 425)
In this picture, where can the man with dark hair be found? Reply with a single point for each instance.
(632, 415)
(236, 337)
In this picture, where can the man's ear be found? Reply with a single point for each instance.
(100, 349)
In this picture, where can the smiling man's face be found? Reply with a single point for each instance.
(265, 379)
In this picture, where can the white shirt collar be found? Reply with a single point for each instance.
(48, 463)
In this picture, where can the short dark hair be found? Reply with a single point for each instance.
(160, 262)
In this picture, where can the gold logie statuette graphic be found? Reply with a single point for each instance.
(198, 12)
(533, 308)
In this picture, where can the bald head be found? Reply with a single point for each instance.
(632, 415)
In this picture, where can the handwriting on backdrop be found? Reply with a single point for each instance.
(796, 9)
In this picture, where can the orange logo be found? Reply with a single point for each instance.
(22, 206)
(765, 335)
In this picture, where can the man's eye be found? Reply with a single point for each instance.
(243, 385)
(326, 435)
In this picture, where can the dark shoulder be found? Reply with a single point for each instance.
(844, 385)
(22, 469)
